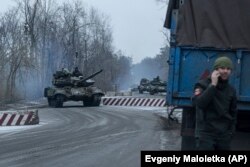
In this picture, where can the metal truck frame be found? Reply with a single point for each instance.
(187, 64)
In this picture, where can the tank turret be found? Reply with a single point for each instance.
(73, 86)
(154, 86)
(65, 78)
(84, 82)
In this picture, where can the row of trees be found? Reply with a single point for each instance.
(39, 37)
(157, 66)
(151, 67)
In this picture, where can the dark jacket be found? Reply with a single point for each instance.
(216, 108)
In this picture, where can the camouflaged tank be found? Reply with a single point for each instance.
(157, 86)
(144, 85)
(72, 87)
(153, 87)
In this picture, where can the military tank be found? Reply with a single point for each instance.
(69, 87)
(157, 86)
(153, 87)
(144, 85)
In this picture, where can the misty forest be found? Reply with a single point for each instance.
(40, 37)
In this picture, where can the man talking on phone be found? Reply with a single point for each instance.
(216, 108)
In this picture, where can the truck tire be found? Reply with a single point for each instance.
(187, 129)
(243, 124)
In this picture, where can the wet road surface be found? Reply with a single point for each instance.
(106, 136)
(76, 136)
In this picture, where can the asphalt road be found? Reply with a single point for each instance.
(76, 136)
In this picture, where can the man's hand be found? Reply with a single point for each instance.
(215, 76)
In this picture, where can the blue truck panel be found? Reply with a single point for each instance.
(193, 52)
(188, 65)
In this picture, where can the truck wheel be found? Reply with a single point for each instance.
(59, 101)
(243, 124)
(187, 129)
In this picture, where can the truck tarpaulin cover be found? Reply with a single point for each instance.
(212, 23)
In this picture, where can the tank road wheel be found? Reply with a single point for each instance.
(51, 102)
(152, 92)
(59, 101)
(96, 100)
(140, 91)
(87, 102)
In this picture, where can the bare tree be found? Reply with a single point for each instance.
(13, 50)
(39, 37)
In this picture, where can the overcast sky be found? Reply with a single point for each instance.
(136, 24)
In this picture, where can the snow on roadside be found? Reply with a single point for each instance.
(22, 106)
(163, 111)
(15, 129)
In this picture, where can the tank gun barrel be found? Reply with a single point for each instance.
(91, 76)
